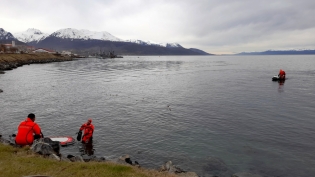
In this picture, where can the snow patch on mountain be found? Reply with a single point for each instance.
(70, 33)
(4, 35)
(137, 41)
(172, 45)
(31, 35)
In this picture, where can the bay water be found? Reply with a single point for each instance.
(208, 114)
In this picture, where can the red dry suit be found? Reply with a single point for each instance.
(281, 74)
(88, 132)
(26, 131)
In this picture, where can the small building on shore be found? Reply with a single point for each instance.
(68, 53)
(41, 50)
(9, 48)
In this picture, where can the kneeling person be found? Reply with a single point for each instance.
(28, 130)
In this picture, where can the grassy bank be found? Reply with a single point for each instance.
(17, 162)
(11, 61)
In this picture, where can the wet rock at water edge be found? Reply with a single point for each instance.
(2, 72)
(4, 141)
(88, 158)
(169, 167)
(125, 159)
(75, 158)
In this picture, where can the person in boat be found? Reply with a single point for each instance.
(88, 128)
(281, 74)
(28, 131)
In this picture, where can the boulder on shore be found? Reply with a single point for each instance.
(45, 146)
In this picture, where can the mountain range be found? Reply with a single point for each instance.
(85, 41)
(282, 52)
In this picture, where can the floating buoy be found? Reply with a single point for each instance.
(64, 140)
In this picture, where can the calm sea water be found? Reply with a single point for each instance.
(208, 114)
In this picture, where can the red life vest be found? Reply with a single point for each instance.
(88, 132)
(26, 131)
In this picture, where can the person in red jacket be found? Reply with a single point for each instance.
(281, 74)
(28, 130)
(88, 128)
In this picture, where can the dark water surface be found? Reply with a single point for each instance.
(225, 115)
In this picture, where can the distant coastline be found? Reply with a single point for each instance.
(12, 61)
(280, 52)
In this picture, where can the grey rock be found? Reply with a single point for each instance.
(45, 146)
(86, 158)
(42, 148)
(125, 159)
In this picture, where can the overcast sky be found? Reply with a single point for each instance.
(215, 26)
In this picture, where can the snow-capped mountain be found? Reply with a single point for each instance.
(35, 35)
(137, 41)
(70, 33)
(4, 35)
(30, 35)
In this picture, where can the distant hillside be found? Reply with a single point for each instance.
(122, 48)
(201, 52)
(280, 52)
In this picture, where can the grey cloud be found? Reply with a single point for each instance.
(212, 25)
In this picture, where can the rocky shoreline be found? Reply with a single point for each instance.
(12, 61)
(48, 149)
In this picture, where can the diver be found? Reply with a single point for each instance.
(87, 138)
(281, 74)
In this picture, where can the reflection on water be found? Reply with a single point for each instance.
(212, 115)
(281, 85)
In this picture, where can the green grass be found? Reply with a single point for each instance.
(18, 162)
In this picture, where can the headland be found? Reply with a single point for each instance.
(12, 61)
